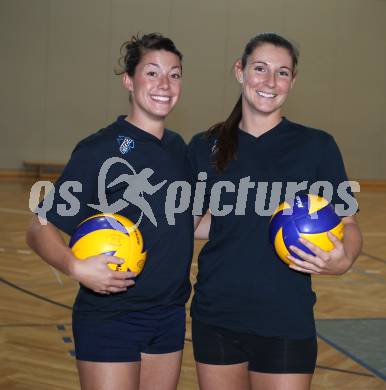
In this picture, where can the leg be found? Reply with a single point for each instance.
(161, 358)
(108, 376)
(264, 381)
(160, 371)
(108, 351)
(224, 377)
(282, 364)
(220, 361)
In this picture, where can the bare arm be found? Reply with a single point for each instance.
(47, 242)
(202, 226)
(352, 240)
(338, 260)
(93, 272)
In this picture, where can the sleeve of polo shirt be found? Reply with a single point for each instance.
(331, 168)
(75, 188)
(196, 156)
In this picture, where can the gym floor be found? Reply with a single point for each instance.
(35, 303)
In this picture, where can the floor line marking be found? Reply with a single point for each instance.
(15, 286)
(344, 371)
(352, 356)
(373, 257)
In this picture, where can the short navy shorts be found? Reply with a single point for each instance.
(218, 346)
(124, 336)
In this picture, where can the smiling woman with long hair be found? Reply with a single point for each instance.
(252, 315)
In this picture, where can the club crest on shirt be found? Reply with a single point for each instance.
(126, 144)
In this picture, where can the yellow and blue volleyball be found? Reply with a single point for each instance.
(111, 235)
(311, 217)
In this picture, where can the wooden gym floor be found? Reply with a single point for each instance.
(35, 324)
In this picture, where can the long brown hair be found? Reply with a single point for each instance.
(226, 132)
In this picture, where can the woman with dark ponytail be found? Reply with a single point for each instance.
(129, 331)
(252, 315)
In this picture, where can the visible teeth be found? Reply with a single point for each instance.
(266, 95)
(161, 98)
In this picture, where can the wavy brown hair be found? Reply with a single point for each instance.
(135, 48)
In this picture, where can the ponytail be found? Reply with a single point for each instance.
(227, 139)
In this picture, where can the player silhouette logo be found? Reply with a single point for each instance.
(138, 185)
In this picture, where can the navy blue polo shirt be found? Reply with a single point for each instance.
(165, 277)
(242, 285)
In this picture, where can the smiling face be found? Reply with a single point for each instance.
(266, 79)
(155, 86)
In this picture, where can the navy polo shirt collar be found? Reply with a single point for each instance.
(136, 132)
(283, 124)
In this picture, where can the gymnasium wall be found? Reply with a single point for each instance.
(57, 61)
